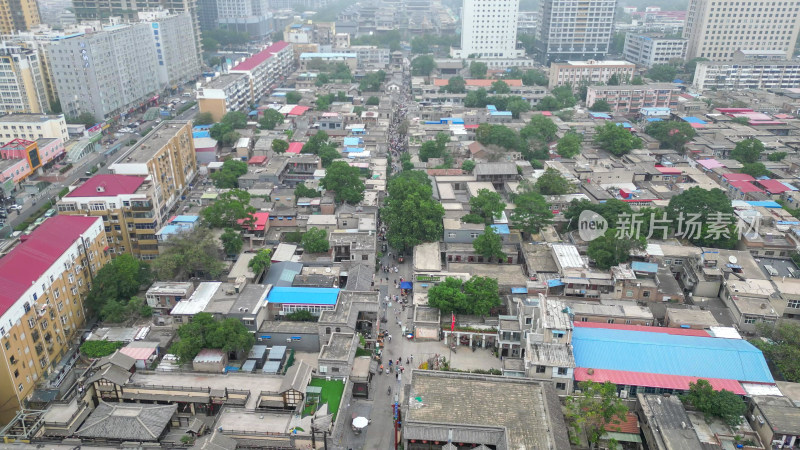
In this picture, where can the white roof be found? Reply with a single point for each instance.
(761, 389)
(284, 252)
(199, 299)
(568, 256)
(724, 332)
(654, 250)
(243, 142)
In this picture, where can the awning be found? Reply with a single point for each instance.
(554, 283)
(406, 285)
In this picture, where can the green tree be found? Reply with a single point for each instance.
(118, 280)
(228, 175)
(228, 209)
(237, 120)
(371, 82)
(327, 154)
(99, 349)
(722, 404)
(410, 212)
(548, 103)
(373, 100)
(315, 240)
(600, 105)
(747, 151)
(228, 335)
(301, 315)
(662, 72)
(231, 241)
(569, 146)
(534, 77)
(324, 102)
(609, 250)
(499, 135)
(478, 69)
(315, 143)
(528, 42)
(187, 255)
(270, 120)
(489, 245)
(345, 181)
(637, 80)
(712, 206)
(485, 207)
(203, 118)
(564, 96)
(531, 212)
(540, 128)
(455, 85)
(293, 97)
(517, 106)
(552, 183)
(613, 80)
(500, 87)
(84, 118)
(611, 210)
(224, 133)
(435, 148)
(280, 146)
(617, 43)
(596, 407)
(755, 170)
(468, 165)
(260, 262)
(671, 134)
(448, 296)
(482, 294)
(476, 99)
(777, 156)
(781, 347)
(405, 161)
(615, 139)
(423, 65)
(301, 190)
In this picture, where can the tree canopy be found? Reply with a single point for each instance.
(485, 207)
(231, 241)
(228, 209)
(747, 151)
(271, 119)
(119, 280)
(671, 134)
(478, 69)
(468, 165)
(531, 212)
(722, 404)
(260, 262)
(224, 133)
(423, 65)
(500, 87)
(371, 82)
(703, 207)
(755, 169)
(499, 135)
(301, 190)
(227, 177)
(540, 128)
(600, 105)
(534, 77)
(345, 181)
(662, 72)
(293, 97)
(228, 335)
(476, 296)
(410, 212)
(235, 119)
(280, 146)
(569, 146)
(781, 347)
(552, 183)
(315, 240)
(596, 406)
(203, 118)
(455, 85)
(609, 250)
(489, 245)
(611, 210)
(191, 254)
(315, 143)
(615, 139)
(435, 148)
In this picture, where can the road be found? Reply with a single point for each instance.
(32, 204)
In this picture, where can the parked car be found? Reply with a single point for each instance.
(15, 206)
(50, 212)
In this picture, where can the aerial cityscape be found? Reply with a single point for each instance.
(400, 224)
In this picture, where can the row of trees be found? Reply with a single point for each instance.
(476, 296)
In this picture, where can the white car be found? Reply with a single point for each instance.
(15, 206)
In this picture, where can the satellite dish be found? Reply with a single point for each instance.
(732, 259)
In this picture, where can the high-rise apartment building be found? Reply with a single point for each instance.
(575, 29)
(245, 16)
(649, 50)
(128, 10)
(22, 81)
(716, 29)
(166, 155)
(45, 280)
(18, 15)
(118, 67)
(489, 30)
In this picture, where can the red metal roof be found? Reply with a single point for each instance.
(23, 265)
(138, 353)
(255, 60)
(298, 110)
(745, 186)
(260, 222)
(773, 186)
(479, 83)
(107, 185)
(669, 170)
(656, 380)
(256, 160)
(738, 177)
(471, 126)
(666, 330)
(295, 147)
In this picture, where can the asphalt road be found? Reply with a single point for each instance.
(32, 204)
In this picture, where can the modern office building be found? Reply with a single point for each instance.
(718, 28)
(752, 74)
(166, 155)
(126, 205)
(631, 98)
(33, 127)
(591, 72)
(45, 280)
(528, 22)
(649, 50)
(22, 81)
(244, 16)
(119, 67)
(129, 9)
(575, 29)
(18, 15)
(488, 30)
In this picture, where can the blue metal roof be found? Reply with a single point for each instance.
(303, 295)
(554, 283)
(661, 353)
(599, 115)
(654, 119)
(201, 134)
(185, 219)
(501, 228)
(691, 119)
(639, 266)
(352, 141)
(500, 113)
(765, 203)
(519, 290)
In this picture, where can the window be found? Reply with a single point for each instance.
(334, 369)
(629, 293)
(646, 294)
(474, 235)
(793, 304)
(540, 369)
(562, 370)
(364, 257)
(584, 319)
(610, 321)
(561, 386)
(323, 369)
(749, 319)
(451, 235)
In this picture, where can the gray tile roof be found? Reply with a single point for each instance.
(296, 378)
(214, 441)
(118, 359)
(112, 373)
(127, 422)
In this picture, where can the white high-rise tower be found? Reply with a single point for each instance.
(489, 29)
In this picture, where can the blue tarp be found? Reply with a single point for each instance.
(500, 113)
(352, 142)
(554, 283)
(406, 285)
(519, 290)
(691, 119)
(353, 150)
(599, 115)
(639, 266)
(252, 113)
(765, 204)
(491, 107)
(201, 134)
(501, 228)
(789, 185)
(654, 119)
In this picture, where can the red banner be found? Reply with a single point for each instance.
(453, 322)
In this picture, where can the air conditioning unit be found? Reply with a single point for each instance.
(623, 394)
